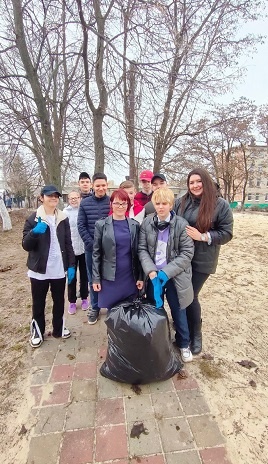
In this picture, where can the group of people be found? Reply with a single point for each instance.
(124, 244)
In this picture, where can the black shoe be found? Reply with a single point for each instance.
(93, 316)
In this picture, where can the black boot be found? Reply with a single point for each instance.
(196, 338)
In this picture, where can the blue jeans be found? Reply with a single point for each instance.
(179, 316)
(93, 295)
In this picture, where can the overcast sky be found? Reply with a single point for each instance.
(255, 85)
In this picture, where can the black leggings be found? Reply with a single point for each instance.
(194, 309)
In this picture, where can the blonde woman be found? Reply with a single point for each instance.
(165, 252)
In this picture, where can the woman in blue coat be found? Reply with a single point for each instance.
(210, 226)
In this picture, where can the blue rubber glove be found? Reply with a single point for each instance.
(70, 274)
(157, 292)
(40, 227)
(162, 276)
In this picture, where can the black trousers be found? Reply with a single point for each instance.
(80, 262)
(39, 292)
(194, 309)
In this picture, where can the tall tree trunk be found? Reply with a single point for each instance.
(51, 160)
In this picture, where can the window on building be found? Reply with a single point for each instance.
(257, 197)
(249, 196)
(258, 182)
(267, 183)
(266, 197)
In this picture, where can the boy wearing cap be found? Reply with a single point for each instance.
(158, 180)
(47, 238)
(145, 195)
(84, 183)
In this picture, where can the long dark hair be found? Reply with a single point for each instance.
(208, 199)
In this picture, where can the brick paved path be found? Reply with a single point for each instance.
(80, 417)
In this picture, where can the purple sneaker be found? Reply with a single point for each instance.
(85, 305)
(72, 308)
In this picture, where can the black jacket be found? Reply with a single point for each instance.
(206, 256)
(38, 245)
(104, 250)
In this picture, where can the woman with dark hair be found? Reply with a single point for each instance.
(210, 226)
(116, 270)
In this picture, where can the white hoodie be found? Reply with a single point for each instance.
(77, 242)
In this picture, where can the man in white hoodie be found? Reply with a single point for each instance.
(79, 251)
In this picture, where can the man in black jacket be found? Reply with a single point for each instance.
(91, 209)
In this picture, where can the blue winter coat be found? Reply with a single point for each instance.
(91, 210)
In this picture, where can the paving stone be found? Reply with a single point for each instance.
(40, 375)
(166, 404)
(184, 384)
(193, 402)
(69, 343)
(214, 456)
(77, 447)
(165, 386)
(155, 459)
(90, 341)
(108, 388)
(111, 443)
(183, 457)
(138, 408)
(56, 393)
(175, 434)
(37, 392)
(50, 344)
(44, 449)
(62, 373)
(110, 411)
(80, 415)
(85, 370)
(50, 419)
(83, 390)
(205, 431)
(102, 352)
(87, 355)
(145, 444)
(66, 356)
(43, 358)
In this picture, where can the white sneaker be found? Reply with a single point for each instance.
(35, 340)
(186, 354)
(66, 333)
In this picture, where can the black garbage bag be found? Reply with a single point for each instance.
(139, 344)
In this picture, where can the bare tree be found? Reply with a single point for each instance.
(40, 85)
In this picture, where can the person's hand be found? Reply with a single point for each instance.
(96, 287)
(152, 274)
(162, 276)
(157, 292)
(139, 284)
(70, 274)
(193, 233)
(40, 227)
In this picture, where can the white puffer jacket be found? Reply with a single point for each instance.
(77, 242)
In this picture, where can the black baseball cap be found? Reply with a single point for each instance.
(84, 175)
(49, 189)
(158, 176)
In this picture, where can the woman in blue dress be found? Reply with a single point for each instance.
(116, 270)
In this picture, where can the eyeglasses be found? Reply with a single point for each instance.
(74, 198)
(122, 205)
